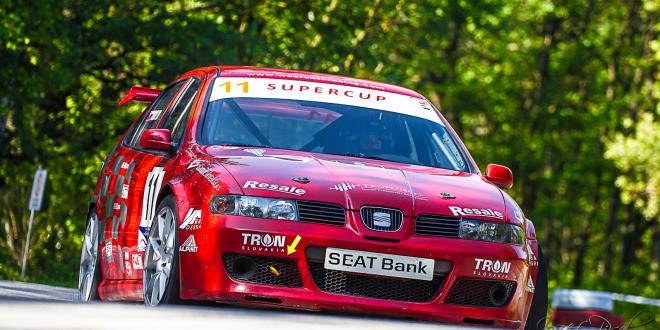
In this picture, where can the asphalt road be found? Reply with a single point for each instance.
(36, 306)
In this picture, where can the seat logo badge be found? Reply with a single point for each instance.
(445, 195)
(382, 219)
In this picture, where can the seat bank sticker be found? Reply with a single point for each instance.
(379, 264)
(232, 87)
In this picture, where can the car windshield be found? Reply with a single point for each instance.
(330, 128)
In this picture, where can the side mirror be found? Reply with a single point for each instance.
(157, 138)
(500, 175)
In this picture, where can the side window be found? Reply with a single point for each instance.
(177, 117)
(154, 113)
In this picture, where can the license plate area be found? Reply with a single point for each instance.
(382, 264)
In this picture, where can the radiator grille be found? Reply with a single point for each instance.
(319, 212)
(435, 225)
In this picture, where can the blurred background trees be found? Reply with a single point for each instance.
(564, 92)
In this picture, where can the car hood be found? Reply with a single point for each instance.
(355, 182)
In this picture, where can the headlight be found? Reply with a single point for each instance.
(491, 232)
(256, 207)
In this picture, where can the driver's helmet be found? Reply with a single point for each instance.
(373, 137)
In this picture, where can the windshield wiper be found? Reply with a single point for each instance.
(244, 145)
(361, 155)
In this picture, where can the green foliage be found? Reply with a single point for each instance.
(548, 88)
(638, 158)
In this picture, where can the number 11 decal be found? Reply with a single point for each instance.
(227, 86)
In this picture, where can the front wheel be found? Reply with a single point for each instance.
(90, 264)
(161, 270)
(538, 310)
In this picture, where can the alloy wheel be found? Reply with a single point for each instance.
(159, 257)
(89, 258)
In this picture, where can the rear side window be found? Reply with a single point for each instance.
(177, 118)
(153, 114)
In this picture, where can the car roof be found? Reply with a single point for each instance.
(256, 72)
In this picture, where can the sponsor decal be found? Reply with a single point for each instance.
(116, 206)
(256, 152)
(137, 261)
(292, 247)
(127, 264)
(189, 245)
(125, 165)
(153, 115)
(151, 188)
(460, 211)
(204, 170)
(424, 105)
(346, 186)
(124, 191)
(531, 257)
(343, 187)
(256, 242)
(108, 251)
(209, 176)
(193, 220)
(530, 285)
(491, 268)
(263, 242)
(392, 190)
(337, 90)
(379, 264)
(382, 219)
(194, 163)
(293, 190)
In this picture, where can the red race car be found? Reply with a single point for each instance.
(309, 191)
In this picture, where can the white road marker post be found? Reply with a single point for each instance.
(36, 196)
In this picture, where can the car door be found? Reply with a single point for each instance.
(122, 196)
(150, 180)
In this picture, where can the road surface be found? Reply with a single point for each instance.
(36, 306)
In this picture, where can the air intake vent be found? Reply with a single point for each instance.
(481, 293)
(436, 225)
(319, 212)
(381, 219)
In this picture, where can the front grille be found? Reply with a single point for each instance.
(381, 219)
(289, 275)
(319, 212)
(436, 225)
(474, 292)
(351, 284)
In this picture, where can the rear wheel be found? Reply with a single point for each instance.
(90, 264)
(538, 311)
(161, 270)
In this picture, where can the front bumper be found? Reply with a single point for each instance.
(204, 275)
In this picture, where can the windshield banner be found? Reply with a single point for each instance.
(236, 87)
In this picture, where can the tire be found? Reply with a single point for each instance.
(537, 316)
(160, 283)
(90, 274)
